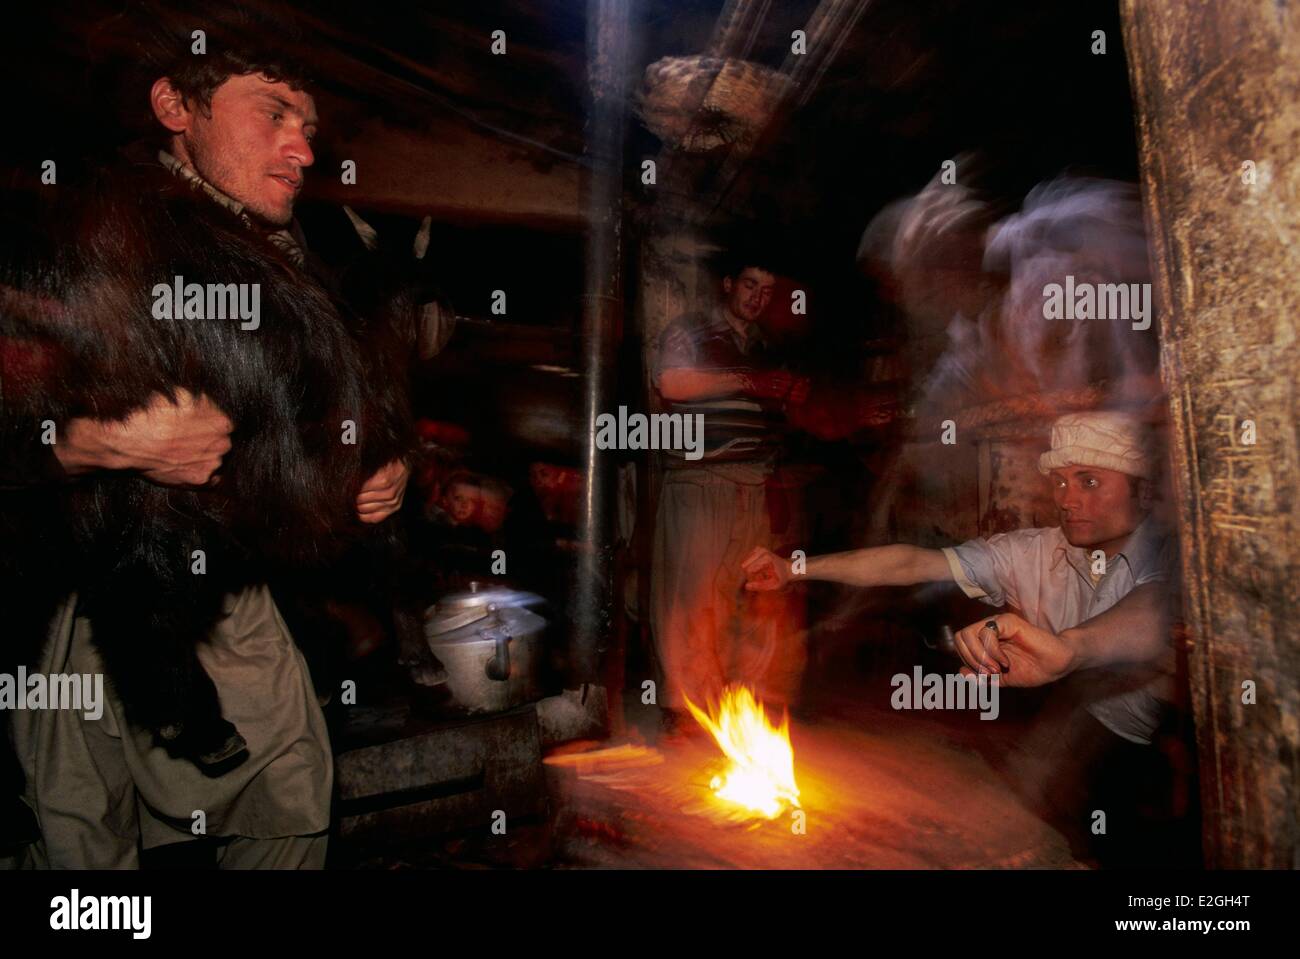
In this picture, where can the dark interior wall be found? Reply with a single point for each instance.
(917, 83)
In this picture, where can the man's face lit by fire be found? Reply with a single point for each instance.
(252, 144)
(749, 293)
(1098, 507)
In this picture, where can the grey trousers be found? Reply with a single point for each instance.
(102, 790)
(709, 631)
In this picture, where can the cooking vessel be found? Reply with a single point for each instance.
(490, 641)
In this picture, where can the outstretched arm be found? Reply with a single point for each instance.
(895, 565)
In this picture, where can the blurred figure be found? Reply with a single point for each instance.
(1082, 232)
(972, 283)
(926, 255)
(1093, 599)
(557, 489)
(708, 631)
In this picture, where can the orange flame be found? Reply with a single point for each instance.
(760, 771)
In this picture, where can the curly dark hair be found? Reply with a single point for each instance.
(151, 39)
(243, 42)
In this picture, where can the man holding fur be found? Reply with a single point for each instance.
(237, 126)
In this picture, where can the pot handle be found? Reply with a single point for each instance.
(498, 667)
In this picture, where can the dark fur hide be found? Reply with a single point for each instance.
(285, 503)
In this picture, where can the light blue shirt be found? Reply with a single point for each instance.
(1048, 581)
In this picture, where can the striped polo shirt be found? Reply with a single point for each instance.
(737, 428)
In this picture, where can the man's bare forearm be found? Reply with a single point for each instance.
(686, 385)
(1134, 630)
(177, 440)
(84, 449)
(895, 565)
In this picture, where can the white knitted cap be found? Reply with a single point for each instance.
(1105, 439)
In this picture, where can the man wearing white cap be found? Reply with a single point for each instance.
(1060, 579)
(1093, 591)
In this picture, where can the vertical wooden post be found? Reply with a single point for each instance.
(1217, 90)
(608, 29)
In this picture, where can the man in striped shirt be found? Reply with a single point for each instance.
(708, 631)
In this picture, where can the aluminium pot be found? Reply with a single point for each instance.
(490, 641)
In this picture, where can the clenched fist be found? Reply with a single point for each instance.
(766, 571)
(1015, 653)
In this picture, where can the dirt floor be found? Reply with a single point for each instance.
(886, 791)
(879, 789)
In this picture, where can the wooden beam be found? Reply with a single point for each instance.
(454, 173)
(737, 28)
(1218, 123)
(827, 29)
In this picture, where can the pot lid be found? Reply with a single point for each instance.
(457, 610)
(484, 595)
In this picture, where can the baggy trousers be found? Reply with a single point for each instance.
(101, 789)
(709, 631)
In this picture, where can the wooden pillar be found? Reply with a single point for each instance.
(608, 43)
(1217, 90)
